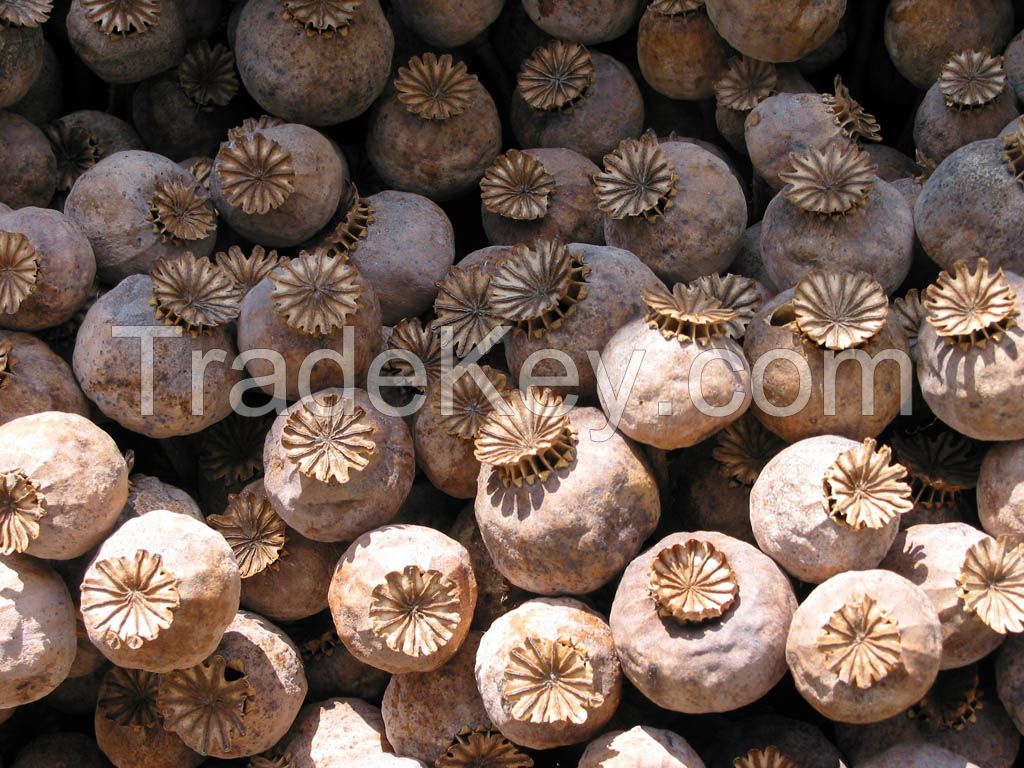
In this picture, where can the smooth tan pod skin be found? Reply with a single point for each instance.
(1000, 491)
(776, 30)
(448, 461)
(681, 56)
(586, 21)
(334, 733)
(640, 747)
(43, 381)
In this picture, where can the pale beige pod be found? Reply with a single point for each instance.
(640, 747)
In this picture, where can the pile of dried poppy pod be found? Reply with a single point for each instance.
(511, 383)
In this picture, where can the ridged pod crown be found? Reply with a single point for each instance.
(637, 180)
(207, 75)
(22, 506)
(246, 271)
(971, 306)
(415, 611)
(8, 362)
(852, 119)
(482, 748)
(128, 697)
(1013, 151)
(517, 186)
(231, 451)
(25, 13)
(941, 464)
(687, 313)
(463, 406)
(321, 18)
(255, 173)
(465, 315)
(692, 582)
(344, 239)
(768, 757)
(549, 681)
(972, 79)
(76, 151)
(120, 18)
(435, 87)
(316, 294)
(953, 702)
(861, 642)
(418, 340)
(831, 182)
(253, 530)
(556, 77)
(676, 7)
(839, 310)
(744, 448)
(865, 488)
(193, 294)
(910, 314)
(735, 292)
(328, 439)
(745, 83)
(19, 271)
(991, 583)
(181, 211)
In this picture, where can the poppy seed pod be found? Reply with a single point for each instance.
(33, 379)
(679, 51)
(21, 40)
(1009, 678)
(776, 31)
(918, 756)
(448, 23)
(942, 465)
(591, 22)
(773, 741)
(640, 747)
(28, 168)
(61, 750)
(1000, 504)
(81, 139)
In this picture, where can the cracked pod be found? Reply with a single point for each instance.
(679, 51)
(47, 269)
(35, 607)
(780, 30)
(864, 645)
(279, 185)
(548, 673)
(700, 622)
(28, 168)
(692, 380)
(640, 747)
(402, 598)
(318, 63)
(336, 466)
(547, 476)
(241, 700)
(675, 205)
(33, 379)
(435, 131)
(845, 314)
(21, 40)
(448, 23)
(836, 214)
(137, 208)
(570, 97)
(592, 22)
(128, 40)
(826, 505)
(999, 492)
(160, 592)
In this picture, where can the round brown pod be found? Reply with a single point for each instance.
(563, 502)
(640, 747)
(42, 102)
(1010, 679)
(28, 168)
(495, 594)
(148, 494)
(336, 466)
(81, 139)
(571, 97)
(448, 23)
(685, 618)
(60, 750)
(942, 468)
(776, 31)
(160, 592)
(864, 645)
(21, 40)
(679, 51)
(591, 22)
(774, 741)
(1000, 503)
(331, 670)
(33, 379)
(918, 756)
(35, 606)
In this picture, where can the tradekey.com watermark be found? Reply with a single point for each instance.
(614, 396)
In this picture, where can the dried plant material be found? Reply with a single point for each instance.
(463, 407)
(130, 599)
(25, 13)
(769, 757)
(416, 612)
(861, 642)
(22, 506)
(745, 84)
(953, 701)
(322, 17)
(19, 271)
(411, 336)
(315, 293)
(206, 703)
(207, 75)
(687, 314)
(735, 292)
(675, 7)
(692, 582)
(853, 120)
(864, 488)
(8, 362)
(972, 79)
(253, 125)
(1013, 152)
(201, 168)
(320, 647)
(549, 682)
(832, 182)
(482, 748)
(991, 583)
(925, 165)
(970, 308)
(231, 451)
(120, 18)
(527, 441)
(128, 697)
(246, 271)
(193, 294)
(941, 465)
(329, 438)
(344, 239)
(463, 307)
(75, 149)
(910, 314)
(270, 760)
(744, 448)
(256, 173)
(556, 77)
(517, 186)
(181, 212)
(253, 530)
(839, 310)
(537, 288)
(638, 180)
(435, 87)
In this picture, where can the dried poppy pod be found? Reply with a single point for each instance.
(81, 139)
(749, 263)
(774, 741)
(280, 185)
(448, 23)
(465, 315)
(21, 38)
(1000, 504)
(918, 755)
(495, 594)
(592, 22)
(1009, 678)
(33, 379)
(640, 747)
(991, 583)
(933, 557)
(806, 331)
(402, 598)
(776, 31)
(970, 101)
(864, 645)
(941, 466)
(60, 750)
(28, 168)
(968, 352)
(979, 189)
(330, 669)
(34, 606)
(570, 97)
(160, 592)
(129, 725)
(319, 314)
(242, 699)
(836, 214)
(336, 466)
(693, 378)
(47, 269)
(246, 270)
(538, 193)
(127, 41)
(679, 51)
(148, 494)
(436, 132)
(562, 473)
(797, 122)
(700, 623)
(657, 202)
(230, 457)
(44, 98)
(187, 110)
